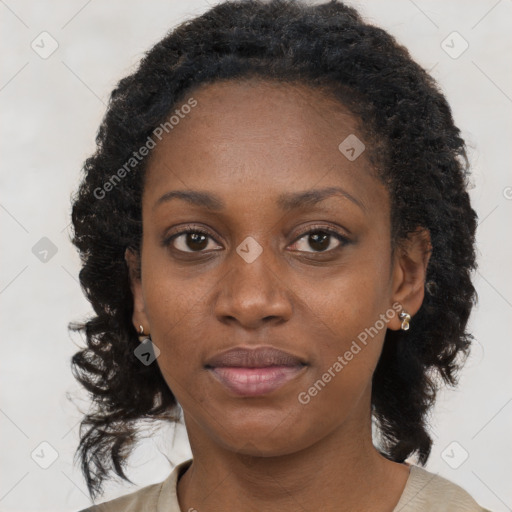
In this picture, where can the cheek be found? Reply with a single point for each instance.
(170, 299)
(345, 360)
(349, 312)
(172, 309)
(353, 298)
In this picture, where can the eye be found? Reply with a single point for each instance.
(320, 239)
(192, 239)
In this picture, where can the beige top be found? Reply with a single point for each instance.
(423, 492)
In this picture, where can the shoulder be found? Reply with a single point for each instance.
(138, 501)
(152, 498)
(426, 491)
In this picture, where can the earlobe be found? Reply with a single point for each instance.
(139, 317)
(412, 257)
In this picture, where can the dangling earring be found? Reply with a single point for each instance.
(406, 318)
(143, 337)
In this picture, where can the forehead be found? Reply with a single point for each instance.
(261, 137)
(253, 111)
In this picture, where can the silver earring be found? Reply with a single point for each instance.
(406, 318)
(142, 336)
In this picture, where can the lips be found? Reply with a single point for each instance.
(254, 372)
(260, 357)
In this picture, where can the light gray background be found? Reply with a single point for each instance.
(51, 109)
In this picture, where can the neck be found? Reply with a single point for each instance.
(343, 472)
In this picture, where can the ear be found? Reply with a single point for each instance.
(139, 316)
(409, 273)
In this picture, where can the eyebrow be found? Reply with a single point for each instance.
(287, 201)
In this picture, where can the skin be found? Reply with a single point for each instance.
(248, 143)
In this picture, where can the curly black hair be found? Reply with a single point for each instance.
(422, 161)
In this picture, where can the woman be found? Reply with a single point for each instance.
(276, 235)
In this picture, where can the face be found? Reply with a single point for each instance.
(251, 263)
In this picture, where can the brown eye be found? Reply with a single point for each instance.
(320, 240)
(191, 240)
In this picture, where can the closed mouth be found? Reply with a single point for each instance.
(261, 357)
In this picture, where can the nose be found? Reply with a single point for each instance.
(253, 294)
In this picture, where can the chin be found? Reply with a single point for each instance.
(264, 439)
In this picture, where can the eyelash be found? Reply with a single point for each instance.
(310, 230)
